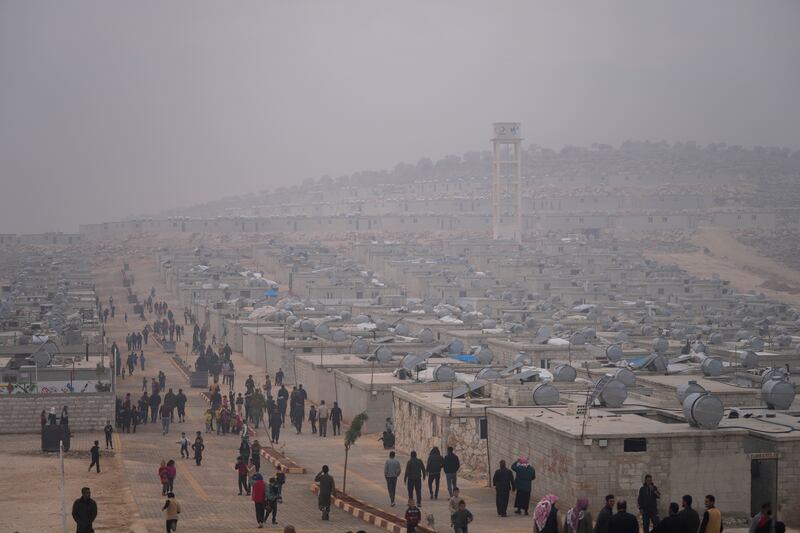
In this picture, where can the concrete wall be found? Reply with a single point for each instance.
(19, 413)
(355, 397)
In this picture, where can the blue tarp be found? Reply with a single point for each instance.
(271, 292)
(465, 357)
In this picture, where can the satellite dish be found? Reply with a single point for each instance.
(530, 322)
(625, 376)
(488, 323)
(381, 325)
(613, 394)
(306, 326)
(654, 363)
(360, 346)
(361, 319)
(703, 410)
(778, 393)
(488, 373)
(748, 359)
(648, 330)
(522, 359)
(756, 343)
(542, 335)
(456, 347)
(614, 353)
(425, 336)
(338, 335)
(660, 345)
(711, 366)
(545, 394)
(383, 354)
(578, 339)
(686, 389)
(322, 330)
(444, 373)
(715, 338)
(699, 347)
(621, 336)
(402, 329)
(412, 362)
(345, 315)
(484, 355)
(564, 373)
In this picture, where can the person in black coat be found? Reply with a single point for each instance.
(503, 483)
(689, 515)
(623, 521)
(336, 419)
(605, 515)
(673, 523)
(84, 511)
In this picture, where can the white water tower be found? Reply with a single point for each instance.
(507, 182)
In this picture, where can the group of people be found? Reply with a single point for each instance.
(129, 414)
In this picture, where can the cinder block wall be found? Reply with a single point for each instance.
(19, 413)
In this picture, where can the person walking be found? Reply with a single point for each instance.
(434, 469)
(326, 488)
(523, 482)
(275, 421)
(255, 455)
(762, 521)
(108, 430)
(605, 514)
(336, 419)
(674, 524)
(198, 448)
(180, 403)
(503, 483)
(648, 503)
(623, 521)
(391, 471)
(545, 515)
(258, 494)
(273, 491)
(166, 418)
(461, 518)
(688, 514)
(171, 510)
(95, 452)
(579, 519)
(84, 511)
(163, 477)
(184, 442)
(413, 516)
(712, 518)
(312, 419)
(451, 466)
(415, 473)
(172, 473)
(241, 469)
(322, 415)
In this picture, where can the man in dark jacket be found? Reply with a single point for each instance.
(689, 515)
(672, 523)
(84, 511)
(155, 403)
(648, 503)
(503, 483)
(326, 488)
(451, 466)
(95, 452)
(623, 521)
(180, 403)
(415, 473)
(336, 418)
(283, 401)
(604, 516)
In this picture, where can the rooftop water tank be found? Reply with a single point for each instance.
(487, 374)
(711, 366)
(778, 393)
(614, 353)
(686, 389)
(484, 355)
(613, 394)
(748, 359)
(771, 373)
(626, 376)
(564, 373)
(703, 410)
(444, 373)
(545, 394)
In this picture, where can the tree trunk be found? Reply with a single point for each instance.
(344, 479)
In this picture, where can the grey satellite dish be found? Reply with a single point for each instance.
(715, 338)
(778, 393)
(784, 341)
(444, 373)
(361, 319)
(711, 366)
(383, 354)
(530, 322)
(542, 335)
(589, 333)
(381, 325)
(402, 329)
(648, 330)
(443, 312)
(425, 336)
(522, 359)
(621, 336)
(484, 355)
(703, 410)
(686, 389)
(625, 376)
(486, 310)
(428, 308)
(360, 346)
(614, 353)
(756, 343)
(345, 315)
(412, 362)
(578, 339)
(660, 345)
(545, 394)
(507, 317)
(742, 334)
(456, 347)
(306, 326)
(487, 373)
(292, 320)
(516, 328)
(338, 335)
(771, 373)
(564, 373)
(322, 330)
(655, 363)
(748, 359)
(699, 347)
(614, 394)
(488, 323)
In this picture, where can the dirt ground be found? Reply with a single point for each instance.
(743, 266)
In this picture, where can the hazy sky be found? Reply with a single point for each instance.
(114, 108)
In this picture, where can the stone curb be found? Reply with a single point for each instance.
(292, 468)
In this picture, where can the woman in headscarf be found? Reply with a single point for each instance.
(525, 474)
(545, 515)
(579, 519)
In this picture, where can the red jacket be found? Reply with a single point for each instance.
(163, 474)
(241, 466)
(257, 491)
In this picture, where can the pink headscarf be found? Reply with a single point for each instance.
(575, 515)
(542, 510)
